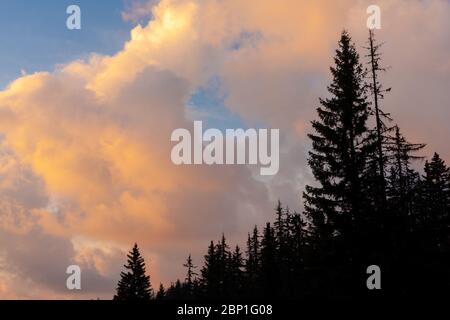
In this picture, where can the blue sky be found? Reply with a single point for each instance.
(34, 36)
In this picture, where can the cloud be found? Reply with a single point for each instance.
(97, 135)
(85, 156)
(136, 10)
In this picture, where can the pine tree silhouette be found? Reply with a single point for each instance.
(437, 188)
(436, 185)
(253, 264)
(134, 283)
(190, 277)
(175, 291)
(237, 274)
(283, 254)
(210, 273)
(269, 267)
(297, 256)
(161, 294)
(224, 261)
(341, 146)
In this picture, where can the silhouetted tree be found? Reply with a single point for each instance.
(298, 253)
(210, 273)
(337, 207)
(161, 294)
(134, 283)
(269, 266)
(253, 264)
(190, 276)
(237, 274)
(381, 129)
(436, 192)
(403, 180)
(338, 158)
(175, 291)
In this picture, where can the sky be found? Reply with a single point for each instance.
(86, 118)
(34, 36)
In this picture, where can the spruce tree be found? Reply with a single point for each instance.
(134, 283)
(283, 248)
(190, 276)
(161, 294)
(253, 264)
(176, 291)
(436, 185)
(340, 149)
(224, 258)
(280, 224)
(297, 256)
(237, 273)
(210, 277)
(338, 205)
(269, 267)
(253, 253)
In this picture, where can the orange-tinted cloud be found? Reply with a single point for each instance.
(86, 167)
